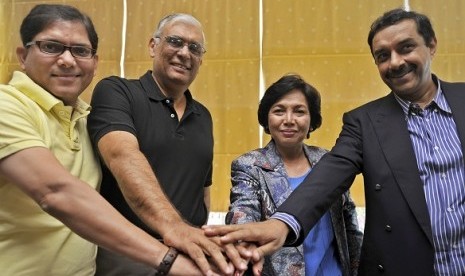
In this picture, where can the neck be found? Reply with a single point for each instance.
(174, 92)
(295, 161)
(424, 96)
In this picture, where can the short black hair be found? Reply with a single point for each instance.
(392, 17)
(283, 86)
(44, 14)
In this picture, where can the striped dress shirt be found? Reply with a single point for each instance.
(441, 165)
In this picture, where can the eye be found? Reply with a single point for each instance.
(407, 48)
(175, 41)
(81, 51)
(277, 111)
(51, 47)
(195, 48)
(381, 57)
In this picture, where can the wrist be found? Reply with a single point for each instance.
(167, 262)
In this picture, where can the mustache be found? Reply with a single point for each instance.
(401, 71)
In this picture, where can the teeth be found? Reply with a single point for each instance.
(182, 66)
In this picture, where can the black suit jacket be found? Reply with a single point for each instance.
(375, 141)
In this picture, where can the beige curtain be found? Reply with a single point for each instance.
(324, 41)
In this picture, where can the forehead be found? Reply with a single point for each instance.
(394, 34)
(185, 29)
(294, 97)
(65, 31)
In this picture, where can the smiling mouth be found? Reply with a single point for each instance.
(183, 67)
(65, 75)
(400, 73)
(288, 132)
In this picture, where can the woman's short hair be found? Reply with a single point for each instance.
(283, 86)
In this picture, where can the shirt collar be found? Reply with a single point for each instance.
(42, 97)
(439, 100)
(150, 87)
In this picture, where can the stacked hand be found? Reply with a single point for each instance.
(210, 254)
(268, 235)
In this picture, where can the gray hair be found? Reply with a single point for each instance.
(178, 17)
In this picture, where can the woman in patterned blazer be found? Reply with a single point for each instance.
(263, 178)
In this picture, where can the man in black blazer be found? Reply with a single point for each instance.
(409, 147)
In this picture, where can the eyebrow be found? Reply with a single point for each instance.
(402, 42)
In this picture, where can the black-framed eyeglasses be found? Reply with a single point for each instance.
(177, 43)
(56, 48)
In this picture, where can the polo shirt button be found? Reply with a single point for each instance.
(380, 268)
(377, 187)
(388, 228)
(167, 101)
(172, 115)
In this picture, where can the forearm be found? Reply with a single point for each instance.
(40, 176)
(97, 221)
(86, 213)
(138, 182)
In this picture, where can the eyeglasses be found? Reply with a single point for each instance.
(57, 48)
(177, 43)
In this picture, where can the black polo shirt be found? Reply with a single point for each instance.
(180, 152)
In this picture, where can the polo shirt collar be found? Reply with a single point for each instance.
(42, 97)
(150, 87)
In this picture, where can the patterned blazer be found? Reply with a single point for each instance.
(260, 185)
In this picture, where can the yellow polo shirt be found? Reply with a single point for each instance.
(31, 241)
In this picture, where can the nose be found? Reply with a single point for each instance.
(66, 59)
(396, 60)
(288, 117)
(184, 50)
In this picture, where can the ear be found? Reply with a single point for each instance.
(432, 46)
(153, 42)
(95, 64)
(21, 54)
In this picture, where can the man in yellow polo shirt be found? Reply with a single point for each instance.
(50, 212)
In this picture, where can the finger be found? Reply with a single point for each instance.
(199, 258)
(216, 256)
(218, 230)
(257, 267)
(239, 235)
(245, 249)
(235, 257)
(264, 250)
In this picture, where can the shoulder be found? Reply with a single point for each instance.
(200, 107)
(15, 102)
(250, 158)
(121, 89)
(452, 86)
(314, 153)
(315, 149)
(115, 81)
(375, 104)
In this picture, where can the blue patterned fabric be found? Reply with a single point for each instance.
(260, 185)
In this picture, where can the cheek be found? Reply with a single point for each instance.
(383, 69)
(305, 126)
(195, 69)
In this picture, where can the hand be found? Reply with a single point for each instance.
(194, 243)
(245, 249)
(184, 266)
(269, 235)
(239, 254)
